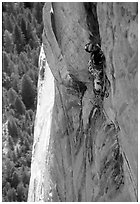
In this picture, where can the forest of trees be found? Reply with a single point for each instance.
(22, 28)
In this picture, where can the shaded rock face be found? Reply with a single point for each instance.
(85, 145)
(118, 23)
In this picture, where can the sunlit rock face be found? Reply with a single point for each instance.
(85, 147)
(43, 122)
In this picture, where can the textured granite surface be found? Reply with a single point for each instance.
(82, 152)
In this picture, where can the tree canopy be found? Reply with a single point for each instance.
(22, 28)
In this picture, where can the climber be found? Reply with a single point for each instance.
(96, 68)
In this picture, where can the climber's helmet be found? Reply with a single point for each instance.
(90, 47)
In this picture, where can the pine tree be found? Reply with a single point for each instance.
(12, 128)
(12, 95)
(23, 27)
(5, 80)
(25, 176)
(28, 51)
(34, 41)
(15, 179)
(21, 68)
(29, 15)
(5, 101)
(7, 22)
(8, 41)
(11, 195)
(11, 155)
(11, 67)
(37, 11)
(18, 39)
(5, 62)
(11, 142)
(6, 186)
(29, 31)
(15, 82)
(20, 192)
(27, 92)
(35, 56)
(11, 112)
(31, 74)
(21, 7)
(13, 20)
(10, 7)
(19, 106)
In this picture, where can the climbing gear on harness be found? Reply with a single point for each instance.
(97, 55)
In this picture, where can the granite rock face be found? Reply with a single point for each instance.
(118, 23)
(85, 147)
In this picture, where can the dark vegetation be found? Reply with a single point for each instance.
(21, 32)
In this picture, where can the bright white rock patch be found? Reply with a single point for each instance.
(46, 93)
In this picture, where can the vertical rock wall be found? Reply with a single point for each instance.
(118, 24)
(43, 122)
(85, 147)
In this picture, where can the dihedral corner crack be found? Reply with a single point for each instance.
(111, 165)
